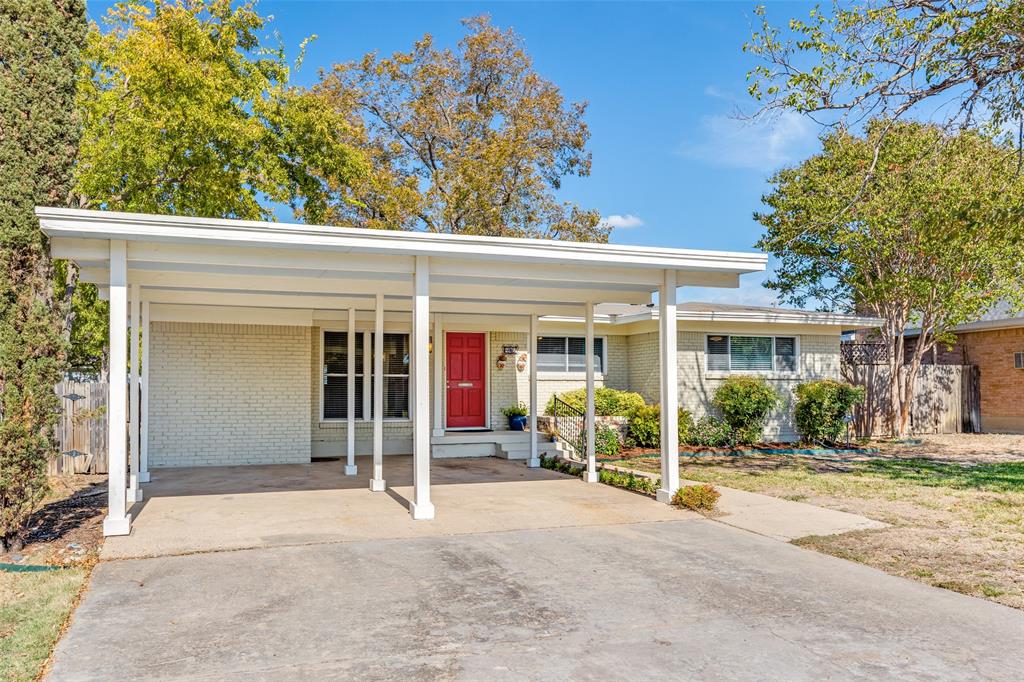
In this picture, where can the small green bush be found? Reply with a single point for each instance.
(608, 402)
(745, 402)
(709, 432)
(606, 441)
(822, 407)
(697, 497)
(629, 481)
(685, 425)
(560, 465)
(645, 427)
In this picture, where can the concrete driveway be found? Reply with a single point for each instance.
(683, 597)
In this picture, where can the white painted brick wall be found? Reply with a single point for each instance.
(224, 394)
(819, 359)
(510, 386)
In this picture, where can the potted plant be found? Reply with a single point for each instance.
(516, 416)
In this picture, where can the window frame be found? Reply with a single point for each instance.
(361, 374)
(573, 373)
(774, 371)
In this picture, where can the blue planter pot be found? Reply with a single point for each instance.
(517, 423)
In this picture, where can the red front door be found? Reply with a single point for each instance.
(467, 388)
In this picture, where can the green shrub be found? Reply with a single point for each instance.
(745, 402)
(709, 432)
(685, 425)
(629, 481)
(608, 402)
(606, 441)
(645, 427)
(560, 465)
(822, 407)
(697, 497)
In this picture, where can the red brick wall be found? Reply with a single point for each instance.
(1002, 386)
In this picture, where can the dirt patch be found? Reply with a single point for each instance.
(68, 529)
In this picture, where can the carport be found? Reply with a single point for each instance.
(158, 267)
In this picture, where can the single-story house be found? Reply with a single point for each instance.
(258, 343)
(995, 344)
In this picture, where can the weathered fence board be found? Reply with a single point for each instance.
(945, 399)
(82, 428)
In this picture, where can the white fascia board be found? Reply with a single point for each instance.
(782, 317)
(79, 223)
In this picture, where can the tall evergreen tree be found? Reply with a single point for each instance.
(40, 49)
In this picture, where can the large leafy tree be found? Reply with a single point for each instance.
(932, 239)
(40, 46)
(463, 141)
(958, 62)
(186, 111)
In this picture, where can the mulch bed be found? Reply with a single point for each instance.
(68, 529)
(736, 450)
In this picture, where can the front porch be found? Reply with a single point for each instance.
(207, 509)
(215, 284)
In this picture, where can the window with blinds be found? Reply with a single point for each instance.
(751, 353)
(335, 376)
(567, 354)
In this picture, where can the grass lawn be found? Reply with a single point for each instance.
(34, 606)
(33, 610)
(955, 523)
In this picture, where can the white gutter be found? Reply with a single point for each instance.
(781, 317)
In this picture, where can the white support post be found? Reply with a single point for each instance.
(591, 475)
(144, 404)
(438, 375)
(377, 483)
(367, 375)
(134, 493)
(420, 507)
(531, 346)
(350, 380)
(669, 388)
(118, 520)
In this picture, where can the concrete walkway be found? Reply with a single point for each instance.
(784, 519)
(689, 599)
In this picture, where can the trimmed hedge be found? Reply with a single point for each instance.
(822, 407)
(608, 402)
(645, 427)
(745, 402)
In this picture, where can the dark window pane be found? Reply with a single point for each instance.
(750, 353)
(336, 352)
(718, 353)
(336, 398)
(551, 353)
(396, 354)
(785, 354)
(396, 397)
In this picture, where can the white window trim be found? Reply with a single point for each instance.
(367, 379)
(564, 375)
(768, 373)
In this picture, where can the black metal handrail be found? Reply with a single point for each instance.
(571, 427)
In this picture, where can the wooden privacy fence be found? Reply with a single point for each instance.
(82, 428)
(946, 399)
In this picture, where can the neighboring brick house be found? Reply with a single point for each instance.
(996, 346)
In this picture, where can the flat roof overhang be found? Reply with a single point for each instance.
(187, 260)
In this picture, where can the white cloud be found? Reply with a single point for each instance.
(760, 144)
(622, 222)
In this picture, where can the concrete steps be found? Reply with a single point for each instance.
(514, 445)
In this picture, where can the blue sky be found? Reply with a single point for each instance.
(663, 81)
